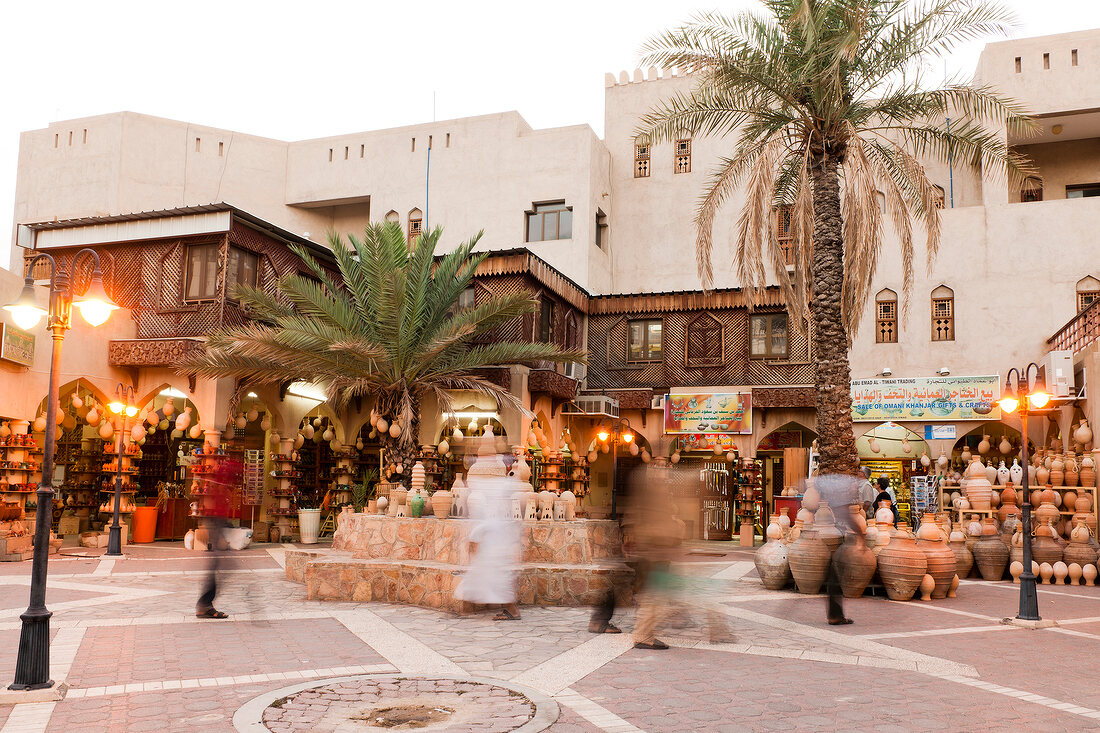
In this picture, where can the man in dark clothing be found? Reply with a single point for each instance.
(840, 492)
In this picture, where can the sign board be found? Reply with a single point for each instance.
(939, 432)
(16, 345)
(700, 410)
(706, 442)
(936, 399)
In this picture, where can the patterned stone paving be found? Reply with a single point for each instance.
(136, 658)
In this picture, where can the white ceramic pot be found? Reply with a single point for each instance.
(309, 525)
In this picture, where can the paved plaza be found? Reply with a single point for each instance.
(133, 657)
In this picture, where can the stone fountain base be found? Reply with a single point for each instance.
(419, 561)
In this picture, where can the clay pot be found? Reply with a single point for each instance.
(964, 558)
(983, 446)
(1078, 550)
(1083, 503)
(1088, 471)
(1043, 547)
(441, 503)
(1042, 475)
(941, 564)
(825, 522)
(1047, 511)
(1057, 471)
(809, 561)
(902, 566)
(990, 553)
(1088, 572)
(978, 488)
(1071, 470)
(773, 565)
(927, 585)
(855, 565)
(1083, 433)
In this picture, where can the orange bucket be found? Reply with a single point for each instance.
(144, 524)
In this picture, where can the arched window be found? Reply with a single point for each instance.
(1088, 292)
(941, 197)
(392, 217)
(943, 314)
(886, 317)
(641, 156)
(703, 341)
(416, 225)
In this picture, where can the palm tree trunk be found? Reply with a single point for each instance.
(836, 443)
(403, 452)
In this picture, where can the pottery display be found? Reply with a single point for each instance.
(902, 566)
(941, 562)
(1057, 470)
(978, 487)
(1043, 547)
(1042, 475)
(1047, 511)
(855, 565)
(1070, 469)
(990, 553)
(964, 558)
(1003, 474)
(1016, 472)
(1078, 550)
(773, 564)
(441, 503)
(1075, 572)
(809, 561)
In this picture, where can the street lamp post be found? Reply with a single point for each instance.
(1025, 397)
(124, 407)
(615, 435)
(32, 663)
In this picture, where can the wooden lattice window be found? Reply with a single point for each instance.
(546, 320)
(768, 338)
(783, 222)
(1088, 292)
(683, 156)
(201, 274)
(393, 217)
(943, 314)
(644, 340)
(416, 225)
(941, 197)
(641, 158)
(572, 335)
(1032, 190)
(703, 341)
(886, 317)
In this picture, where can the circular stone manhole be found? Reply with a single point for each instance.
(399, 703)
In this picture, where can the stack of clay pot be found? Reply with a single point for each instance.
(941, 564)
(772, 561)
(902, 565)
(990, 552)
(979, 490)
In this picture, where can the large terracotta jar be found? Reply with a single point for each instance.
(990, 553)
(1088, 470)
(773, 564)
(855, 565)
(441, 503)
(978, 489)
(1008, 504)
(1047, 511)
(941, 560)
(902, 566)
(1043, 547)
(809, 560)
(1057, 470)
(1078, 550)
(825, 521)
(964, 558)
(1083, 504)
(1071, 469)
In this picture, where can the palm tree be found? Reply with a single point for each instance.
(387, 329)
(825, 103)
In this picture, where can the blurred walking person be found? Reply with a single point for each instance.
(495, 547)
(214, 505)
(841, 493)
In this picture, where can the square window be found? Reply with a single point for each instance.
(768, 336)
(243, 267)
(201, 272)
(548, 222)
(644, 340)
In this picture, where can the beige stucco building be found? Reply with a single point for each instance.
(1009, 273)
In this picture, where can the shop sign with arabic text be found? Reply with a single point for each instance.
(935, 399)
(697, 410)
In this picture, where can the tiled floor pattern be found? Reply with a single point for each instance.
(137, 659)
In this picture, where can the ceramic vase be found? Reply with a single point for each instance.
(855, 565)
(1043, 547)
(773, 565)
(902, 566)
(1088, 471)
(1078, 549)
(941, 564)
(1016, 473)
(964, 558)
(979, 491)
(1071, 469)
(825, 522)
(809, 561)
(990, 553)
(441, 503)
(1057, 470)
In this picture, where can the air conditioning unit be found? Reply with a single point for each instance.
(1057, 367)
(598, 405)
(575, 370)
(658, 402)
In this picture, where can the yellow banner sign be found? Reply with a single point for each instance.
(695, 410)
(937, 399)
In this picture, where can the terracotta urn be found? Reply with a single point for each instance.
(825, 522)
(1088, 470)
(1057, 470)
(941, 563)
(1078, 549)
(902, 566)
(1046, 572)
(990, 553)
(855, 565)
(1088, 572)
(1071, 469)
(809, 561)
(1043, 547)
(1075, 572)
(983, 446)
(1083, 503)
(964, 558)
(784, 520)
(978, 488)
(441, 503)
(885, 535)
(1047, 511)
(1083, 433)
(773, 564)
(1042, 475)
(1069, 498)
(795, 531)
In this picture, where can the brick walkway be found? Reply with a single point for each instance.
(135, 658)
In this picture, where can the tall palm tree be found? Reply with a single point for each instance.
(388, 329)
(825, 103)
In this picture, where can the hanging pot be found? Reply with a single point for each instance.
(241, 422)
(443, 447)
(137, 433)
(265, 424)
(382, 426)
(195, 432)
(253, 414)
(40, 424)
(395, 430)
(359, 443)
(328, 434)
(675, 457)
(169, 407)
(106, 430)
(184, 420)
(307, 432)
(77, 402)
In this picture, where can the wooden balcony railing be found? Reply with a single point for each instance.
(1079, 333)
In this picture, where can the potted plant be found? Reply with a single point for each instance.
(364, 493)
(309, 518)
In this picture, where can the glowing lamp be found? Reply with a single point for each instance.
(116, 407)
(94, 305)
(627, 437)
(25, 311)
(603, 435)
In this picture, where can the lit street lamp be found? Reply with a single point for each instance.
(32, 663)
(621, 434)
(124, 407)
(1027, 399)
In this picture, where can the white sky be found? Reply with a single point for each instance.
(293, 70)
